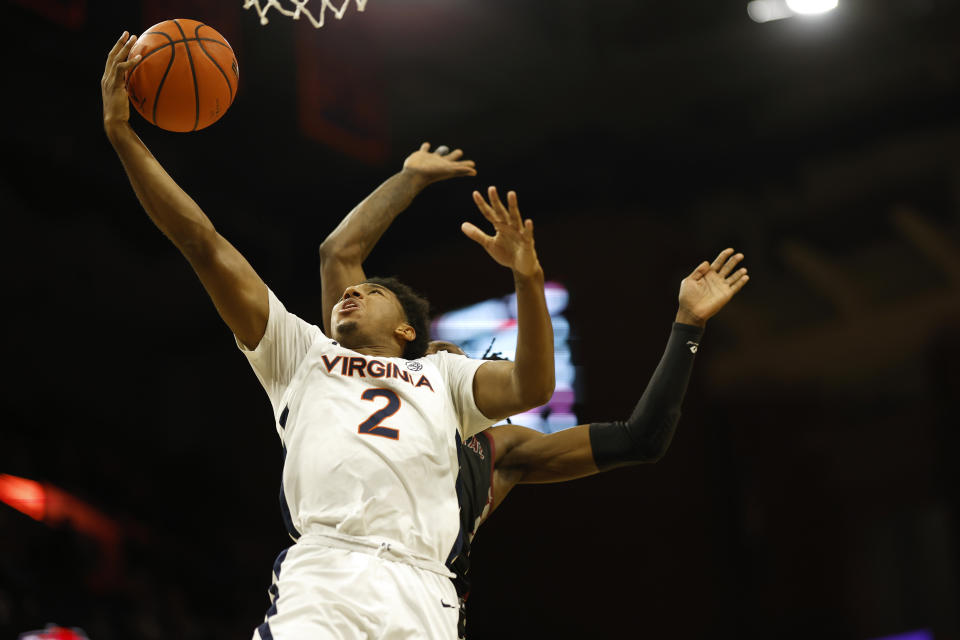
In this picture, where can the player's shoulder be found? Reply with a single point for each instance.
(278, 313)
(448, 362)
(439, 358)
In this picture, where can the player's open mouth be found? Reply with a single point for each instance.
(349, 305)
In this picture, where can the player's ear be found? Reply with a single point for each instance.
(405, 332)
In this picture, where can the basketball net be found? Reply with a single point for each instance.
(295, 8)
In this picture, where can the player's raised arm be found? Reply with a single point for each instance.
(529, 456)
(342, 252)
(504, 388)
(238, 293)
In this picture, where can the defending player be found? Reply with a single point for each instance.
(368, 425)
(496, 460)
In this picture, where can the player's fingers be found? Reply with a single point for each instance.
(466, 171)
(700, 271)
(123, 66)
(456, 154)
(425, 146)
(115, 54)
(442, 150)
(514, 209)
(726, 253)
(485, 208)
(736, 275)
(728, 266)
(125, 49)
(471, 231)
(739, 284)
(498, 212)
(124, 52)
(116, 47)
(496, 204)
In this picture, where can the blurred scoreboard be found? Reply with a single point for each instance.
(490, 327)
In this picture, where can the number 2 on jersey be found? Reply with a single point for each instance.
(371, 425)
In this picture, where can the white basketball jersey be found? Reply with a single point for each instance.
(370, 442)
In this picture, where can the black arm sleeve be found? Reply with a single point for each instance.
(647, 434)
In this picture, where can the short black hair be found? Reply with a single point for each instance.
(416, 308)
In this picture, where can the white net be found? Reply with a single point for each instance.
(296, 8)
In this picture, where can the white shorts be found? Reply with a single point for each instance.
(322, 592)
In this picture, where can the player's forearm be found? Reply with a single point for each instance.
(533, 373)
(169, 207)
(357, 234)
(647, 434)
(536, 457)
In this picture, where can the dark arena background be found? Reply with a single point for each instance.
(812, 488)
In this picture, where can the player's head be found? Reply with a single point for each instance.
(443, 345)
(382, 311)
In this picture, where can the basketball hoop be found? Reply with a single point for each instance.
(295, 8)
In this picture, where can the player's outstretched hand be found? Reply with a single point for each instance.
(711, 286)
(441, 164)
(512, 242)
(116, 105)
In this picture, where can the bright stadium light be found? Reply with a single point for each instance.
(810, 7)
(768, 10)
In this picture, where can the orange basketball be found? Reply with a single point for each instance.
(187, 77)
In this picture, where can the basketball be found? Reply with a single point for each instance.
(187, 77)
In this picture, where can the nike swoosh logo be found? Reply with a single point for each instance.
(448, 606)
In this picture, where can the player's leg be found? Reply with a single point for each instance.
(323, 593)
(425, 604)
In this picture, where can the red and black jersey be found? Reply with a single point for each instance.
(475, 494)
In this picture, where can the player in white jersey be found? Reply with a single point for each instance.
(493, 462)
(368, 470)
(369, 426)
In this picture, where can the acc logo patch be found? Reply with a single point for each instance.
(413, 365)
